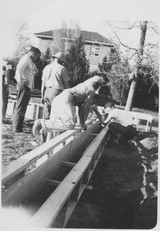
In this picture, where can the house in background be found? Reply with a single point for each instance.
(96, 46)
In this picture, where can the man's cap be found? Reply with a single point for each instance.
(61, 56)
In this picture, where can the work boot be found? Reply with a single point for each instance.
(36, 127)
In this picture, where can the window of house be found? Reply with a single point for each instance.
(94, 50)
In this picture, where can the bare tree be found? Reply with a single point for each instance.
(142, 54)
(137, 67)
(23, 38)
(64, 37)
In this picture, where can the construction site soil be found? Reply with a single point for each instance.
(123, 189)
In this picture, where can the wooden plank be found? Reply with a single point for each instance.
(10, 107)
(46, 215)
(11, 170)
(68, 164)
(53, 182)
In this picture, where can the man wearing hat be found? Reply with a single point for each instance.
(54, 81)
(24, 76)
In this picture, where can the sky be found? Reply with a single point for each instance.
(43, 15)
(11, 10)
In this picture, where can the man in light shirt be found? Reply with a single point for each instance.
(54, 81)
(63, 112)
(25, 78)
(121, 124)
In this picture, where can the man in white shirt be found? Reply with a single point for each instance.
(54, 81)
(25, 78)
(121, 124)
(63, 113)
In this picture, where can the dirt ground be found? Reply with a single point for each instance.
(124, 185)
(15, 145)
(124, 194)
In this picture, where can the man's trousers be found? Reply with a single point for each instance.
(23, 98)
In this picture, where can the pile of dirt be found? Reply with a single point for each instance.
(124, 194)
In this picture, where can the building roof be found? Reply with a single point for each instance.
(88, 36)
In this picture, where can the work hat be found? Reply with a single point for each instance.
(61, 56)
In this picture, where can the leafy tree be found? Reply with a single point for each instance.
(109, 61)
(116, 71)
(119, 82)
(146, 95)
(40, 64)
(78, 65)
(46, 57)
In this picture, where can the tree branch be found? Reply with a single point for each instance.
(120, 40)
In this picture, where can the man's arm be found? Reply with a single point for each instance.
(95, 109)
(84, 109)
(42, 91)
(22, 65)
(109, 118)
(43, 87)
(35, 69)
(65, 78)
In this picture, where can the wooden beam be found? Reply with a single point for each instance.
(53, 182)
(68, 164)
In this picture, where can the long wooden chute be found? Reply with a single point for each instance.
(77, 151)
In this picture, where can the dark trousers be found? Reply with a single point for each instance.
(23, 98)
(49, 95)
(125, 132)
(5, 95)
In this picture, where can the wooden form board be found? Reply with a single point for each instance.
(67, 194)
(19, 165)
(31, 184)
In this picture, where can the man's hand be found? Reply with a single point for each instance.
(84, 127)
(102, 125)
(25, 82)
